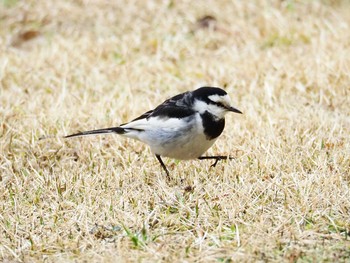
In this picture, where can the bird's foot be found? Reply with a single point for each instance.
(216, 158)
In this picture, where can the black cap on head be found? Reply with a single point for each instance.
(204, 92)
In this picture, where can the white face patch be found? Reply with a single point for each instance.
(225, 100)
(216, 98)
(202, 107)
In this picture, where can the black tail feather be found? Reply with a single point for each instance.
(117, 130)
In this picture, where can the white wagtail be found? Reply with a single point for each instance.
(182, 127)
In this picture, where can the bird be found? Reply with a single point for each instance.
(183, 127)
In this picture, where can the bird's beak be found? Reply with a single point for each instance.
(234, 110)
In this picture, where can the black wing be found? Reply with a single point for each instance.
(179, 106)
(145, 115)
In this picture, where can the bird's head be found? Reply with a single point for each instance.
(213, 100)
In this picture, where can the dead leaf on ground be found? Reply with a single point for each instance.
(206, 22)
(24, 36)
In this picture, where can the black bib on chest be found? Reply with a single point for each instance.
(212, 127)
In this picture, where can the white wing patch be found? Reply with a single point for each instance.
(154, 123)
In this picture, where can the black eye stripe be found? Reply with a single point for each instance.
(220, 104)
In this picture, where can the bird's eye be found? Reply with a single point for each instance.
(221, 105)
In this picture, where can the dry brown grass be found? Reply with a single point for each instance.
(76, 65)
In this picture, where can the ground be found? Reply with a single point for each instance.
(68, 66)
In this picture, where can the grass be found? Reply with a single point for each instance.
(67, 66)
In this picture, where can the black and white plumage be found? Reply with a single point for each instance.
(182, 127)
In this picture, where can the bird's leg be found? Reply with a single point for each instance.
(163, 165)
(217, 158)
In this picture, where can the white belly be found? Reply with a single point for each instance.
(184, 149)
(171, 138)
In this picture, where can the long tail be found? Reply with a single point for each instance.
(117, 130)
